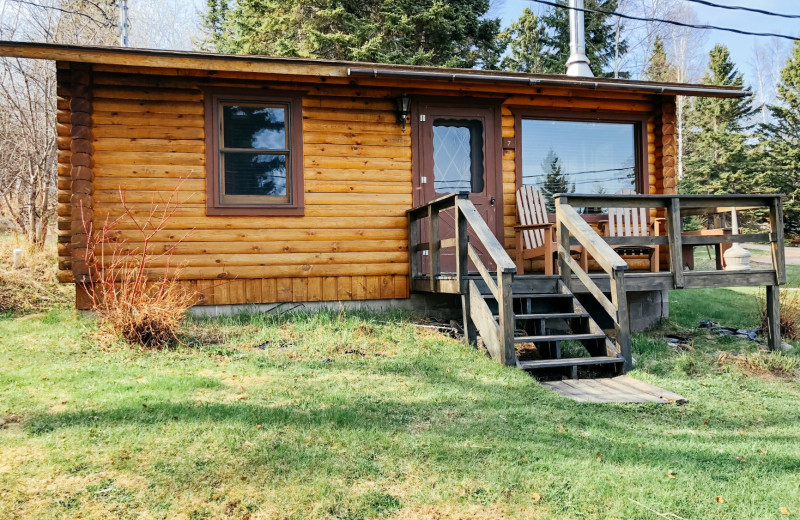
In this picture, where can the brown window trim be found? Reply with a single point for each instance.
(640, 146)
(296, 205)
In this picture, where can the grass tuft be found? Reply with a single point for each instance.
(34, 287)
(762, 363)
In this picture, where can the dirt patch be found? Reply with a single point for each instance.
(11, 418)
(446, 512)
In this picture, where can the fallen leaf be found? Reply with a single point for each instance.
(763, 452)
(720, 500)
(536, 497)
(740, 458)
(785, 511)
(259, 427)
(671, 474)
(216, 496)
(244, 478)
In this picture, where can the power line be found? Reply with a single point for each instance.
(742, 8)
(670, 22)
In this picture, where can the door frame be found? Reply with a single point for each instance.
(493, 145)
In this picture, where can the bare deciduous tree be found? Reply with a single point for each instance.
(28, 149)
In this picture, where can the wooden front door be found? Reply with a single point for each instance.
(457, 149)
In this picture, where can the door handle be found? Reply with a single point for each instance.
(492, 201)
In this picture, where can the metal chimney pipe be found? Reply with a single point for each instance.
(578, 63)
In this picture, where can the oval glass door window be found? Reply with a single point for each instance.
(457, 156)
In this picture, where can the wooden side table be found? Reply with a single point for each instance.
(719, 249)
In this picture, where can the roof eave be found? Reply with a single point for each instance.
(321, 68)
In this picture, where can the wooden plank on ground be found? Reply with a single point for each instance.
(620, 389)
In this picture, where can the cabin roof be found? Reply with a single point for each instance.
(192, 60)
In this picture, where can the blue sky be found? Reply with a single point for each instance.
(741, 46)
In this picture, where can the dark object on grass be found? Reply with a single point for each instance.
(680, 342)
(751, 334)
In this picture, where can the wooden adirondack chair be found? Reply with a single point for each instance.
(632, 222)
(536, 235)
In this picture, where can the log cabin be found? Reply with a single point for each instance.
(308, 181)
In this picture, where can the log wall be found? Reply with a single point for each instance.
(148, 136)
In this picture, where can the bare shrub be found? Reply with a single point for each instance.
(131, 302)
(790, 314)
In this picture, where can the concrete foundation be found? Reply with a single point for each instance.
(436, 306)
(647, 308)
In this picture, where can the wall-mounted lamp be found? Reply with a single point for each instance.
(403, 109)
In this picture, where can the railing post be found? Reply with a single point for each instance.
(562, 235)
(462, 263)
(773, 331)
(622, 321)
(462, 240)
(675, 244)
(778, 253)
(506, 322)
(413, 242)
(434, 245)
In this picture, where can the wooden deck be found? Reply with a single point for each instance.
(634, 281)
(620, 389)
(524, 319)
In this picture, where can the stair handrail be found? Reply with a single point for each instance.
(569, 221)
(467, 215)
(499, 283)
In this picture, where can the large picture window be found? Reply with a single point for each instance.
(254, 156)
(580, 156)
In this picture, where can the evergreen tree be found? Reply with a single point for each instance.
(659, 67)
(452, 33)
(555, 180)
(600, 37)
(525, 39)
(718, 156)
(780, 155)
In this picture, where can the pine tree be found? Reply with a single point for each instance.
(600, 37)
(453, 33)
(555, 180)
(659, 67)
(525, 39)
(780, 154)
(718, 155)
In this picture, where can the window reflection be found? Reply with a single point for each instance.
(578, 157)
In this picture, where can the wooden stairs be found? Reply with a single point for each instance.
(555, 337)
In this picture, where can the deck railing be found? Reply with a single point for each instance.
(499, 334)
(675, 207)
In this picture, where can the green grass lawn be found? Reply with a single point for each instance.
(356, 416)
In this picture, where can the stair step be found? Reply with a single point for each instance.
(535, 296)
(552, 315)
(557, 337)
(568, 362)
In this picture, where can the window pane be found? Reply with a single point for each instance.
(254, 126)
(254, 174)
(578, 157)
(457, 156)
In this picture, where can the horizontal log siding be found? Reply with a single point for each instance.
(149, 137)
(352, 242)
(64, 209)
